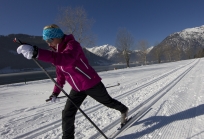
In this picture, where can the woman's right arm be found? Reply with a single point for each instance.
(67, 57)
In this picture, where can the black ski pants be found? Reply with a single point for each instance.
(99, 93)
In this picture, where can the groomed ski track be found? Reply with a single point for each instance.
(148, 103)
(168, 93)
(178, 114)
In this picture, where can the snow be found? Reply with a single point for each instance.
(149, 49)
(172, 92)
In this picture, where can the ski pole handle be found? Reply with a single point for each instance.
(17, 41)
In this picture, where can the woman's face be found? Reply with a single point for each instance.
(54, 42)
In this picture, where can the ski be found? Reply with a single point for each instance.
(129, 122)
(121, 126)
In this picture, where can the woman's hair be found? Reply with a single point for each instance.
(51, 26)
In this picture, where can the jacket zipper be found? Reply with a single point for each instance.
(83, 72)
(84, 63)
(71, 79)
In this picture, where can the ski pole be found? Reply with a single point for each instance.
(19, 42)
(66, 96)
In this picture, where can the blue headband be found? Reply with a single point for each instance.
(51, 33)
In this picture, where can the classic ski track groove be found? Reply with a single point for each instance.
(149, 99)
(47, 127)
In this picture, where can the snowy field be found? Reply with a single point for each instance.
(173, 94)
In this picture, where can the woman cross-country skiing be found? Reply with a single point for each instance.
(71, 66)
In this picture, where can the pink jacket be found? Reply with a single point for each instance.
(71, 65)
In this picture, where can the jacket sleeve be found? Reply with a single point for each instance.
(68, 56)
(60, 81)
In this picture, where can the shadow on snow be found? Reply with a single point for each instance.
(161, 121)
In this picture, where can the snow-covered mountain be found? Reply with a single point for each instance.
(112, 53)
(184, 44)
(192, 33)
(192, 37)
(107, 51)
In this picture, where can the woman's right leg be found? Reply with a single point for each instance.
(100, 94)
(69, 112)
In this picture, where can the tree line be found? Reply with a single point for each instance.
(75, 21)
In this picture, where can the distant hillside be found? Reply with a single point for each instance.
(9, 58)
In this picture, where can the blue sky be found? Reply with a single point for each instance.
(150, 20)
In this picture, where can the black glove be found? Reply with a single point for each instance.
(35, 52)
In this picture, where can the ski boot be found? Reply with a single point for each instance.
(124, 118)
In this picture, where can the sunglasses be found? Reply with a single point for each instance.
(49, 40)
